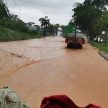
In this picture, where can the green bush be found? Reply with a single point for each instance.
(101, 46)
(10, 35)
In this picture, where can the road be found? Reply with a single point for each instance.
(42, 67)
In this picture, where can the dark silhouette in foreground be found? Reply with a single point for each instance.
(61, 101)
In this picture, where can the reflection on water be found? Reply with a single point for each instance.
(42, 67)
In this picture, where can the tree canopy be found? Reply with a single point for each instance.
(89, 15)
(4, 12)
(45, 22)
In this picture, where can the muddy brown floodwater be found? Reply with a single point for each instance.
(42, 67)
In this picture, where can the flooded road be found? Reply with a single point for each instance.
(42, 67)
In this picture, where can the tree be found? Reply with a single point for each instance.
(71, 22)
(45, 22)
(101, 4)
(29, 24)
(102, 24)
(89, 15)
(86, 16)
(56, 26)
(14, 17)
(4, 12)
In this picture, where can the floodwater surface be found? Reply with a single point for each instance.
(43, 67)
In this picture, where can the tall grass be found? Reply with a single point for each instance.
(10, 35)
(101, 46)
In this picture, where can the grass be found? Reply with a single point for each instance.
(10, 35)
(100, 46)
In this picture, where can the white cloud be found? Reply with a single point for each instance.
(59, 11)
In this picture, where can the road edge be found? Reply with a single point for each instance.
(104, 55)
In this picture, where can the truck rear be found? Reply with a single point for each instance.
(73, 39)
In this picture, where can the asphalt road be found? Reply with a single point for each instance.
(42, 67)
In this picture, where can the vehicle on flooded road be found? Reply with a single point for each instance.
(73, 38)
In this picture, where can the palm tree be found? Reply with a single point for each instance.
(45, 22)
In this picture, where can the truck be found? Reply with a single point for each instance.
(73, 37)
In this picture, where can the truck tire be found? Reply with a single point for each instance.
(80, 46)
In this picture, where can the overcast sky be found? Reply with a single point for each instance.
(58, 11)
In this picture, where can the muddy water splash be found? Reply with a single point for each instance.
(47, 67)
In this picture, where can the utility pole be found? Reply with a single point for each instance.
(75, 26)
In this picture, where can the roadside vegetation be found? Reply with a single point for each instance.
(11, 35)
(91, 17)
(100, 46)
(13, 28)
